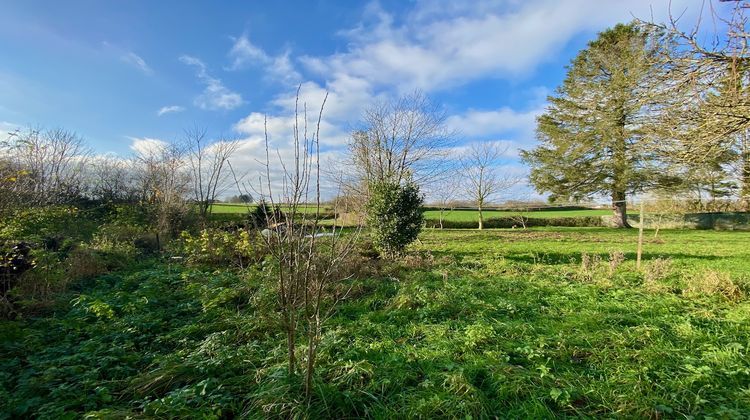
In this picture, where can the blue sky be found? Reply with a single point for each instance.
(124, 73)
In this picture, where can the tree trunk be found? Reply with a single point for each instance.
(619, 208)
(291, 344)
(481, 220)
(620, 164)
(312, 347)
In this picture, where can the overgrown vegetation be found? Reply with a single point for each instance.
(122, 297)
(477, 323)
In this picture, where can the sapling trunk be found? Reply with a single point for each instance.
(640, 239)
(481, 220)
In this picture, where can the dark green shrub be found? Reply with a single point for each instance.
(262, 214)
(14, 261)
(394, 215)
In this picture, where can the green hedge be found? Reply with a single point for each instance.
(509, 222)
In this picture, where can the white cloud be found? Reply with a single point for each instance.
(169, 109)
(280, 129)
(215, 95)
(245, 54)
(136, 61)
(437, 46)
(507, 147)
(481, 123)
(146, 145)
(7, 127)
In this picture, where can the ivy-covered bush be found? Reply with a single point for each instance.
(394, 215)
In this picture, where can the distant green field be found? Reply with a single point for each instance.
(462, 215)
(228, 208)
(466, 215)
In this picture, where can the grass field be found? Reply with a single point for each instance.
(454, 215)
(242, 209)
(472, 215)
(539, 323)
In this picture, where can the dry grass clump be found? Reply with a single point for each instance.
(589, 262)
(418, 260)
(655, 272)
(713, 282)
(85, 263)
(615, 259)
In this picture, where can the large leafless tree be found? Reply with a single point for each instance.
(112, 179)
(45, 166)
(404, 138)
(703, 95)
(163, 183)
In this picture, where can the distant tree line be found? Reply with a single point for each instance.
(43, 167)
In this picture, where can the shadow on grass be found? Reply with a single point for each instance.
(556, 258)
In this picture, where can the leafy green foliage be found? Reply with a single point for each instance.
(69, 244)
(592, 139)
(222, 248)
(394, 215)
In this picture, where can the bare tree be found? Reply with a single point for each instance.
(703, 103)
(521, 209)
(112, 179)
(164, 183)
(51, 163)
(444, 192)
(16, 183)
(207, 167)
(401, 139)
(310, 266)
(482, 181)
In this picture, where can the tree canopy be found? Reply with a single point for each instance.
(591, 134)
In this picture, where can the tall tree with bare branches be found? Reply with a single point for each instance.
(163, 183)
(704, 92)
(207, 161)
(52, 163)
(402, 139)
(483, 182)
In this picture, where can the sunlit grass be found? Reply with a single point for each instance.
(517, 323)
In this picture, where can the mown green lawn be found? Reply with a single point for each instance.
(503, 323)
